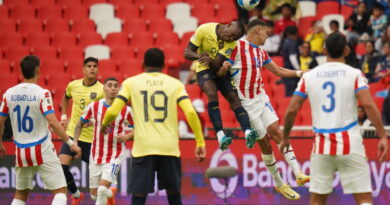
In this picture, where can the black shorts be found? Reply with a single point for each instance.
(142, 174)
(85, 150)
(224, 84)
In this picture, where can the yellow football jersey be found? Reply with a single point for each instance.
(154, 98)
(206, 39)
(82, 96)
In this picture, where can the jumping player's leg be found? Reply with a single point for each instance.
(24, 177)
(363, 198)
(66, 159)
(20, 197)
(229, 91)
(59, 196)
(206, 81)
(105, 193)
(318, 199)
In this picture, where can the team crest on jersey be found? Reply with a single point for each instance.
(93, 95)
(229, 51)
(221, 44)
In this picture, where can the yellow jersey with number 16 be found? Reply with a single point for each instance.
(82, 96)
(154, 98)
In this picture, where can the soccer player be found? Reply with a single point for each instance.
(333, 90)
(82, 92)
(108, 149)
(30, 109)
(211, 45)
(245, 65)
(154, 97)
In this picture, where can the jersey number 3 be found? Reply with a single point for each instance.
(25, 123)
(330, 96)
(161, 108)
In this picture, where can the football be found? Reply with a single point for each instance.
(248, 4)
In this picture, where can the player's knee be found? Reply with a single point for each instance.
(59, 199)
(102, 191)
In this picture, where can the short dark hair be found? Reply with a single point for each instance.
(110, 79)
(255, 22)
(91, 59)
(291, 30)
(154, 57)
(334, 22)
(270, 24)
(241, 26)
(28, 65)
(378, 6)
(306, 42)
(335, 44)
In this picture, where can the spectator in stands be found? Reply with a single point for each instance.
(287, 12)
(377, 21)
(184, 129)
(381, 41)
(306, 58)
(334, 26)
(369, 60)
(290, 53)
(316, 38)
(272, 44)
(258, 12)
(272, 8)
(383, 68)
(357, 24)
(351, 59)
(386, 110)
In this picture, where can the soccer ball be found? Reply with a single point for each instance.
(248, 4)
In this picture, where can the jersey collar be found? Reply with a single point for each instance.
(89, 85)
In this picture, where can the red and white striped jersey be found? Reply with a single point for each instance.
(27, 104)
(247, 60)
(105, 148)
(331, 89)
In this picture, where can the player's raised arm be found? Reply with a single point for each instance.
(64, 108)
(282, 72)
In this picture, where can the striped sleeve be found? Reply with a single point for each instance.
(301, 88)
(360, 82)
(87, 114)
(47, 104)
(4, 107)
(234, 55)
(266, 59)
(129, 117)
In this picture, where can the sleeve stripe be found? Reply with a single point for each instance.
(48, 112)
(361, 88)
(300, 94)
(4, 114)
(267, 61)
(192, 44)
(84, 120)
(122, 98)
(181, 98)
(230, 61)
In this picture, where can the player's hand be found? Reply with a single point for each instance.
(76, 149)
(205, 59)
(103, 130)
(200, 153)
(64, 123)
(2, 150)
(382, 149)
(224, 68)
(123, 137)
(284, 145)
(88, 124)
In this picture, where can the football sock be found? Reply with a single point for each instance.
(289, 156)
(70, 181)
(243, 118)
(215, 115)
(270, 163)
(102, 195)
(174, 199)
(59, 199)
(18, 202)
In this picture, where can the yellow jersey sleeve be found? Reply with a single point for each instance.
(227, 49)
(181, 93)
(125, 90)
(68, 90)
(197, 37)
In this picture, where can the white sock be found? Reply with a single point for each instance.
(109, 193)
(247, 132)
(220, 135)
(18, 202)
(270, 163)
(102, 195)
(93, 197)
(59, 199)
(76, 194)
(289, 156)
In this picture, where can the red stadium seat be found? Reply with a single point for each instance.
(160, 25)
(30, 26)
(64, 39)
(173, 54)
(49, 11)
(117, 39)
(120, 3)
(141, 39)
(152, 12)
(15, 2)
(5, 66)
(7, 80)
(4, 12)
(166, 2)
(8, 40)
(88, 3)
(203, 11)
(71, 53)
(346, 11)
(69, 2)
(193, 91)
(146, 2)
(167, 38)
(75, 12)
(37, 39)
(45, 52)
(83, 26)
(130, 68)
(38, 3)
(304, 25)
(185, 39)
(22, 12)
(202, 20)
(57, 26)
(107, 66)
(103, 76)
(127, 12)
(227, 13)
(87, 39)
(15, 54)
(134, 25)
(327, 7)
(51, 67)
(122, 53)
(7, 25)
(58, 80)
(74, 68)
(360, 49)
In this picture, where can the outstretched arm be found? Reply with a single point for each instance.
(191, 53)
(282, 72)
(112, 112)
